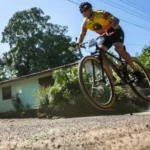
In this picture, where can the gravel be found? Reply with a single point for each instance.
(126, 132)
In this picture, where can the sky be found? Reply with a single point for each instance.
(65, 13)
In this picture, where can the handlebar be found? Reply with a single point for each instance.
(82, 45)
(101, 36)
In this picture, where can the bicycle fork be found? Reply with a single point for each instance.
(101, 65)
(101, 75)
(93, 73)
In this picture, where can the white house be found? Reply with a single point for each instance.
(25, 86)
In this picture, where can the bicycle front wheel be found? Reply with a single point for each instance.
(96, 83)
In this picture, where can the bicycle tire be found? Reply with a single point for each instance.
(148, 76)
(84, 90)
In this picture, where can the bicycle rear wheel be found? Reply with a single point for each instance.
(142, 90)
(99, 90)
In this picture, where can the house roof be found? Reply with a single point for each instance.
(38, 73)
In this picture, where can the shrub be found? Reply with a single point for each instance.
(127, 107)
(42, 97)
(66, 90)
(126, 101)
(66, 93)
(16, 101)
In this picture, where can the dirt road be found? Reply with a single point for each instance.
(91, 133)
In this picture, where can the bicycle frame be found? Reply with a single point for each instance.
(104, 55)
(100, 53)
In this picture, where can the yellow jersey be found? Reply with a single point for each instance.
(100, 17)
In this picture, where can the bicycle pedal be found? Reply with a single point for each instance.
(133, 80)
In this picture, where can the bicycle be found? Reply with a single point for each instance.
(96, 81)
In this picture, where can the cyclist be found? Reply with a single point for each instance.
(102, 22)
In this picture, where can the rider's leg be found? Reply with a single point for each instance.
(120, 50)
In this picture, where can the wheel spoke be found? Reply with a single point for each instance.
(142, 88)
(97, 88)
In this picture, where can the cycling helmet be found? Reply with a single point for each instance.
(85, 5)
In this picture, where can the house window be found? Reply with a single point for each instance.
(46, 81)
(6, 92)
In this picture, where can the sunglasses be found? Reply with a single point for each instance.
(84, 10)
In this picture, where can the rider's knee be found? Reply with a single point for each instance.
(119, 48)
(103, 47)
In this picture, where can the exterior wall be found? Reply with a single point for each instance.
(25, 88)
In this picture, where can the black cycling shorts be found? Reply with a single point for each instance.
(108, 41)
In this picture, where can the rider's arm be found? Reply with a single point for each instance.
(82, 33)
(114, 21)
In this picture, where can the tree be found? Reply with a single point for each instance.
(35, 43)
(4, 69)
(144, 57)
